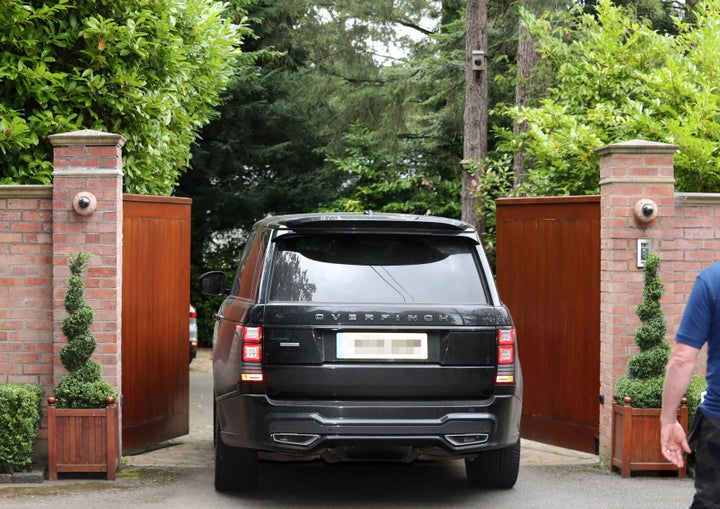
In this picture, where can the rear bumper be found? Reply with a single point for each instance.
(436, 428)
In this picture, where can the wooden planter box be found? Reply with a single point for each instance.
(83, 440)
(636, 439)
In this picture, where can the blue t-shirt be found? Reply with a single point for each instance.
(700, 324)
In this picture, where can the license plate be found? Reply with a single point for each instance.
(382, 346)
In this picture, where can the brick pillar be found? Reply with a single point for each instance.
(90, 161)
(629, 172)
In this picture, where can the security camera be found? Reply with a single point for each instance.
(84, 203)
(645, 210)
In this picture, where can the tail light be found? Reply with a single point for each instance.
(193, 311)
(252, 353)
(505, 356)
(251, 367)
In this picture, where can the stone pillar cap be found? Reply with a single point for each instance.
(637, 147)
(86, 137)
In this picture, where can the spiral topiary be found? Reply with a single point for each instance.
(83, 386)
(646, 369)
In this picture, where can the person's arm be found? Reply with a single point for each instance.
(678, 374)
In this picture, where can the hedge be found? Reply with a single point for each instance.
(20, 415)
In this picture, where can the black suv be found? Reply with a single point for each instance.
(356, 337)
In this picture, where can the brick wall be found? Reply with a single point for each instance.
(684, 234)
(88, 161)
(38, 229)
(26, 285)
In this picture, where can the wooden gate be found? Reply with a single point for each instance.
(548, 274)
(155, 320)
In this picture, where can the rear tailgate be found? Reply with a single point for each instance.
(397, 352)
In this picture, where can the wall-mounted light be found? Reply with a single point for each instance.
(84, 203)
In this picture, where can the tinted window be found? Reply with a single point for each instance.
(247, 277)
(376, 269)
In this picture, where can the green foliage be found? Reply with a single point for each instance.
(76, 352)
(206, 307)
(648, 393)
(645, 393)
(281, 136)
(649, 363)
(77, 322)
(661, 12)
(337, 122)
(20, 415)
(83, 386)
(494, 179)
(653, 327)
(377, 181)
(646, 369)
(651, 333)
(611, 77)
(262, 155)
(288, 140)
(698, 385)
(152, 71)
(649, 310)
(75, 295)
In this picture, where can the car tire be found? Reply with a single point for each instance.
(497, 469)
(235, 467)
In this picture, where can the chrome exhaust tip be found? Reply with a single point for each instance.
(467, 439)
(298, 439)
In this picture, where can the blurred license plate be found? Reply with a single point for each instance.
(379, 345)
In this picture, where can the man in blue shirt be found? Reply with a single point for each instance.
(700, 324)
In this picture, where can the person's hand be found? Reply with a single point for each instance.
(674, 443)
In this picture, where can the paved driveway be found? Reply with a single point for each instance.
(179, 475)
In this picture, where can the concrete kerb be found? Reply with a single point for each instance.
(537, 453)
(35, 476)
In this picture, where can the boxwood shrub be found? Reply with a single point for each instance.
(83, 386)
(648, 393)
(646, 369)
(20, 415)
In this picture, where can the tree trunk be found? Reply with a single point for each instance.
(529, 85)
(527, 57)
(476, 110)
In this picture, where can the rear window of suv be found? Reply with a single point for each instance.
(364, 268)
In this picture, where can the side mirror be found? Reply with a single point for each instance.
(213, 283)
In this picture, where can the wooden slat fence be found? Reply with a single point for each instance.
(548, 273)
(156, 297)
